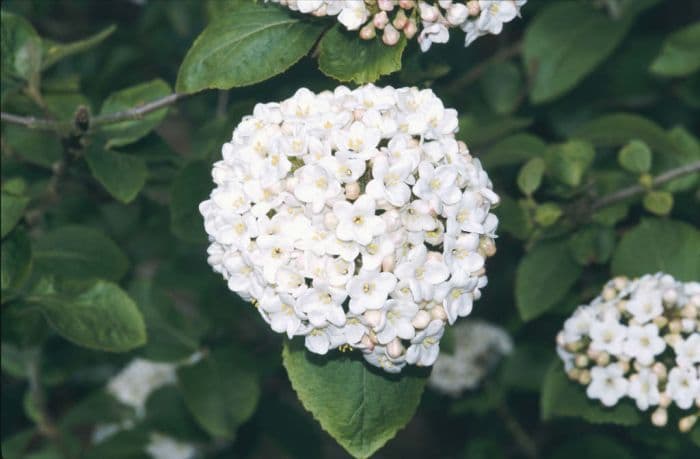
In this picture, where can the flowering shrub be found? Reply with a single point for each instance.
(430, 19)
(639, 339)
(353, 218)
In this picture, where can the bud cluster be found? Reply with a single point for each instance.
(433, 19)
(478, 348)
(639, 339)
(355, 219)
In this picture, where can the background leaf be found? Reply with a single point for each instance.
(680, 54)
(121, 174)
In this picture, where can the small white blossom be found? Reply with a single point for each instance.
(138, 380)
(608, 384)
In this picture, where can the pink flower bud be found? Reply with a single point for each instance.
(428, 13)
(368, 32)
(473, 7)
(394, 348)
(385, 5)
(380, 20)
(438, 313)
(410, 29)
(421, 319)
(659, 417)
(407, 4)
(373, 318)
(400, 20)
(390, 36)
(352, 191)
(388, 263)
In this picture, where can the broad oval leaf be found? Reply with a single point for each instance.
(11, 211)
(121, 174)
(564, 398)
(80, 252)
(246, 46)
(21, 51)
(659, 245)
(129, 131)
(16, 262)
(543, 278)
(102, 317)
(361, 408)
(346, 57)
(220, 392)
(680, 55)
(558, 52)
(513, 150)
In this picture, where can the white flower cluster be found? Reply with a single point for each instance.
(354, 218)
(132, 386)
(478, 348)
(639, 339)
(433, 18)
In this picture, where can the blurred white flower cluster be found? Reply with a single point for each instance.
(353, 218)
(432, 19)
(132, 386)
(478, 348)
(639, 339)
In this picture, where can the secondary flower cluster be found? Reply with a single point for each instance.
(432, 18)
(354, 218)
(478, 348)
(132, 386)
(639, 339)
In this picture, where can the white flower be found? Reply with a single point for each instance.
(494, 13)
(608, 384)
(164, 447)
(433, 33)
(353, 15)
(425, 346)
(369, 290)
(644, 343)
(683, 386)
(608, 335)
(644, 388)
(688, 351)
(138, 380)
(322, 201)
(645, 305)
(398, 321)
(357, 221)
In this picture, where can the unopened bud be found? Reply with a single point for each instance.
(410, 29)
(687, 423)
(421, 319)
(574, 374)
(438, 313)
(660, 321)
(585, 377)
(352, 190)
(581, 361)
(592, 354)
(695, 301)
(675, 326)
(388, 263)
(368, 32)
(659, 417)
(367, 343)
(664, 400)
(385, 5)
(407, 4)
(603, 359)
(394, 348)
(330, 220)
(473, 7)
(380, 20)
(670, 297)
(390, 36)
(609, 293)
(660, 370)
(373, 318)
(620, 282)
(689, 311)
(400, 20)
(429, 13)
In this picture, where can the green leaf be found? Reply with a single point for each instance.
(543, 277)
(11, 211)
(220, 392)
(191, 186)
(530, 175)
(346, 57)
(129, 131)
(514, 217)
(558, 52)
(102, 317)
(659, 245)
(249, 45)
(635, 157)
(513, 150)
(688, 152)
(568, 162)
(16, 262)
(361, 408)
(619, 128)
(36, 147)
(658, 202)
(477, 132)
(564, 398)
(680, 55)
(501, 85)
(54, 52)
(547, 214)
(592, 244)
(122, 175)
(21, 52)
(80, 252)
(172, 337)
